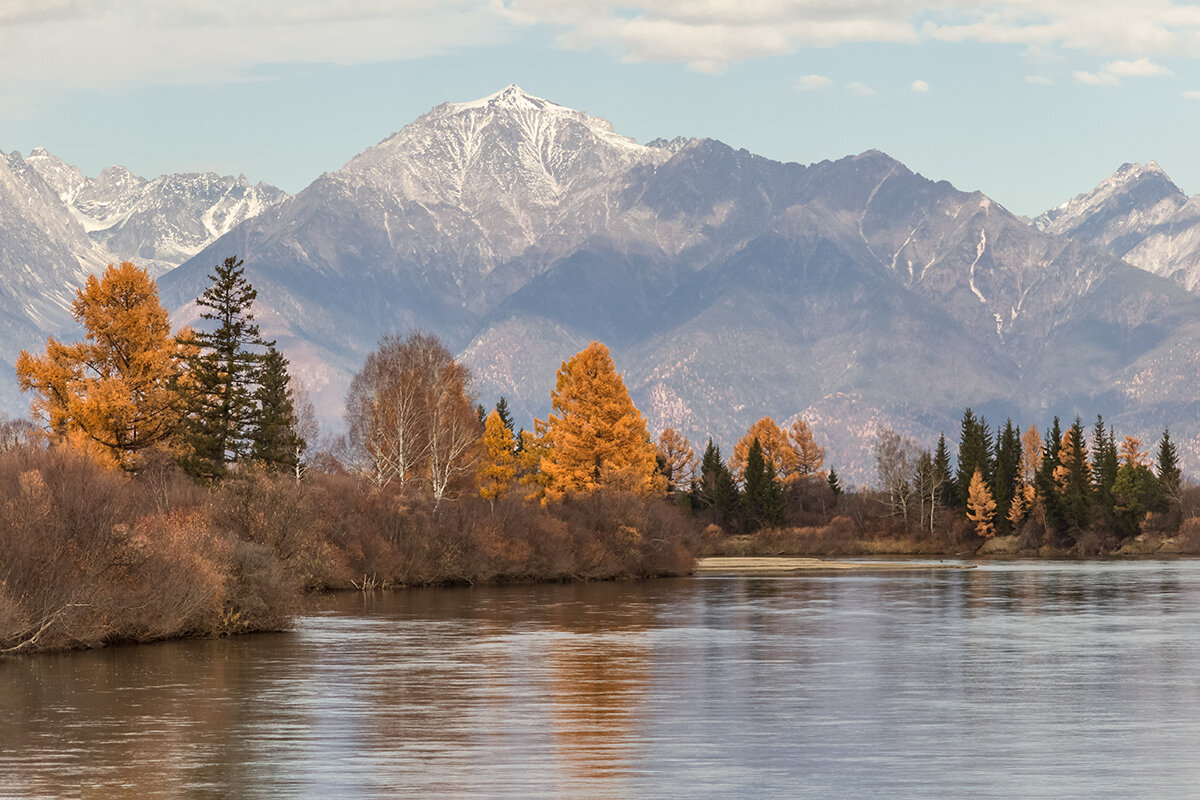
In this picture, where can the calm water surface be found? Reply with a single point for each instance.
(1012, 680)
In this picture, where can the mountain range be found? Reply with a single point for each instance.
(728, 286)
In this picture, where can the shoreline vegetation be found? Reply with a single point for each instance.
(175, 483)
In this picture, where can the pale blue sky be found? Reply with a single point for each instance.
(1030, 105)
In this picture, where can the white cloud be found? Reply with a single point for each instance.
(87, 44)
(920, 87)
(1190, 94)
(1113, 71)
(96, 43)
(1096, 78)
(861, 89)
(1040, 80)
(1140, 68)
(704, 31)
(810, 82)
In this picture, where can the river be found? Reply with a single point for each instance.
(1015, 679)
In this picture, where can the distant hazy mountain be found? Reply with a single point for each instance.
(728, 286)
(157, 223)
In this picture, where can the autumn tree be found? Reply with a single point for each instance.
(678, 459)
(1027, 474)
(775, 447)
(224, 371)
(116, 392)
(595, 435)
(810, 457)
(981, 507)
(409, 416)
(498, 465)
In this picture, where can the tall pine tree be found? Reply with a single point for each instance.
(224, 371)
(1169, 476)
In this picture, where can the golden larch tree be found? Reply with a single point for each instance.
(1132, 453)
(810, 457)
(981, 507)
(116, 393)
(777, 450)
(595, 436)
(498, 467)
(678, 457)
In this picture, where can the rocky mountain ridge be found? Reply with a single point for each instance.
(854, 292)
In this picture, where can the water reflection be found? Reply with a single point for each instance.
(1022, 679)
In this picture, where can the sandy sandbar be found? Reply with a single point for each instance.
(799, 564)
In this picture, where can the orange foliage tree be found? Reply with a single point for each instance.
(678, 458)
(498, 468)
(595, 436)
(981, 507)
(792, 453)
(115, 393)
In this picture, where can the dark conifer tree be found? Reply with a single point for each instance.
(762, 496)
(1104, 470)
(505, 414)
(274, 440)
(974, 453)
(1076, 480)
(1169, 475)
(223, 373)
(941, 471)
(716, 489)
(1047, 488)
(1004, 477)
(835, 484)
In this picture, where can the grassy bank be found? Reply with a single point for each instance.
(93, 556)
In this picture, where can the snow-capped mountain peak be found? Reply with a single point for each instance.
(1132, 200)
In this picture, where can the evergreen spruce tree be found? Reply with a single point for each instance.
(1047, 489)
(223, 372)
(1105, 465)
(505, 414)
(1074, 479)
(941, 471)
(274, 440)
(835, 484)
(1007, 469)
(716, 489)
(1169, 475)
(974, 453)
(762, 496)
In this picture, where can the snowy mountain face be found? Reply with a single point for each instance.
(1139, 215)
(160, 223)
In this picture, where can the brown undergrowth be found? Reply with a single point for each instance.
(90, 556)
